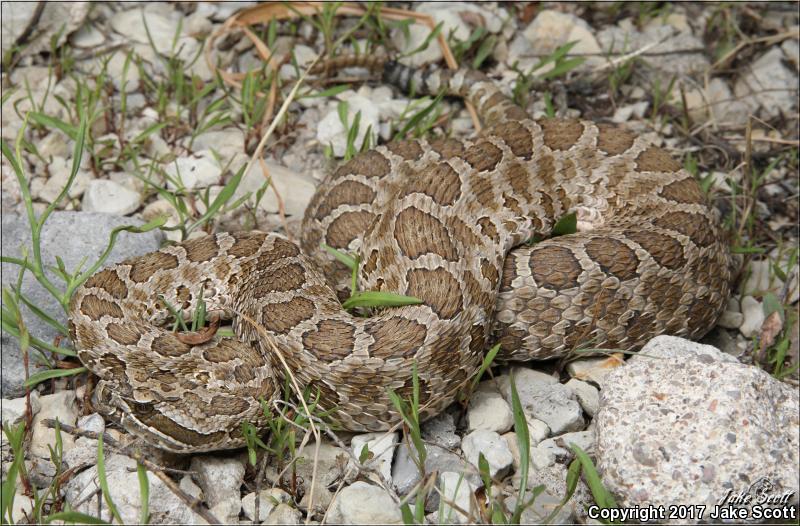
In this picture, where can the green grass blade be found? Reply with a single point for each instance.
(44, 316)
(101, 476)
(74, 517)
(568, 224)
(524, 445)
(601, 495)
(573, 476)
(563, 68)
(52, 122)
(223, 197)
(41, 376)
(373, 298)
(487, 362)
(344, 258)
(144, 492)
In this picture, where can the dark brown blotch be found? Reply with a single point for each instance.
(347, 227)
(168, 345)
(695, 226)
(517, 137)
(172, 429)
(290, 277)
(447, 148)
(655, 159)
(281, 249)
(95, 308)
(408, 150)
(282, 317)
(614, 257)
(419, 233)
(520, 180)
(438, 181)
(201, 249)
(109, 281)
(683, 191)
(386, 343)
(246, 244)
(613, 140)
(488, 229)
(666, 250)
(483, 156)
(122, 333)
(438, 289)
(227, 405)
(554, 267)
(330, 340)
(143, 267)
(490, 272)
(346, 192)
(369, 164)
(224, 351)
(561, 134)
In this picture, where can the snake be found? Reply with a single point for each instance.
(464, 226)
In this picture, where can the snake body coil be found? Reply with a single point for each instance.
(446, 221)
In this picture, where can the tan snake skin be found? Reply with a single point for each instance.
(445, 221)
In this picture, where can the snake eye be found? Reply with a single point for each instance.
(140, 409)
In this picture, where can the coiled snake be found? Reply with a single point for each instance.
(445, 221)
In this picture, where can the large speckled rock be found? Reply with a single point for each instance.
(73, 236)
(686, 423)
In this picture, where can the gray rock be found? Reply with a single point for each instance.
(13, 411)
(331, 131)
(381, 447)
(109, 197)
(227, 142)
(60, 169)
(449, 14)
(93, 423)
(548, 31)
(194, 171)
(283, 514)
(23, 505)
(458, 490)
(544, 398)
(363, 503)
(768, 87)
(542, 457)
(625, 38)
(753, 317)
(553, 478)
(732, 317)
(488, 410)
(493, 447)
(268, 500)
(295, 189)
(405, 473)
(220, 478)
(83, 454)
(687, 423)
(58, 239)
(559, 445)
(59, 406)
(537, 430)
(192, 489)
(123, 484)
(441, 430)
(329, 462)
(56, 21)
(592, 370)
(588, 396)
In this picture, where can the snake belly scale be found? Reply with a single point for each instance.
(445, 221)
